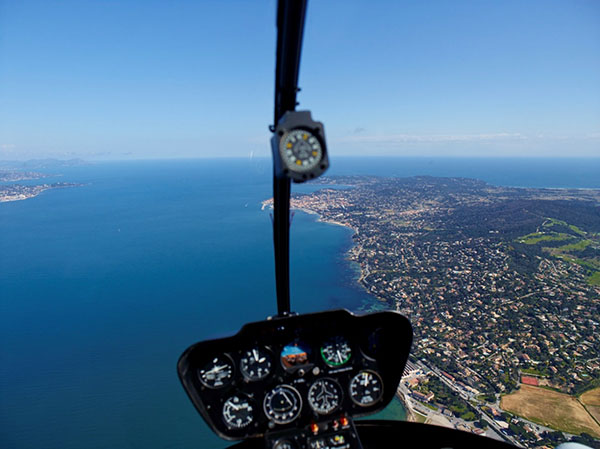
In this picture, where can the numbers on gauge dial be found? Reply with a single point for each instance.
(301, 150)
(255, 364)
(282, 404)
(324, 396)
(336, 351)
(366, 388)
(217, 373)
(237, 412)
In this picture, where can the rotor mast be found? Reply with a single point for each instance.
(290, 29)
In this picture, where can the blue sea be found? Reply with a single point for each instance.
(103, 286)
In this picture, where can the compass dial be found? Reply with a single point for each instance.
(300, 150)
(366, 388)
(336, 351)
(324, 396)
(237, 412)
(255, 364)
(282, 404)
(217, 373)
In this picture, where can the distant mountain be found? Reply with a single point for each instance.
(42, 163)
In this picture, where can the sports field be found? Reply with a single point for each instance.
(551, 408)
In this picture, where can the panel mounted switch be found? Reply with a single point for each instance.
(299, 149)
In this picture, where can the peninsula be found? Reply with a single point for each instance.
(502, 286)
(9, 191)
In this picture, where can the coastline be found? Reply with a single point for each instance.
(406, 404)
(269, 204)
(17, 192)
(325, 220)
(351, 253)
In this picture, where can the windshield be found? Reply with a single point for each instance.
(135, 212)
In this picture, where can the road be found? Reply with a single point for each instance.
(468, 397)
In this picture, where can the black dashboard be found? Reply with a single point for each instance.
(298, 381)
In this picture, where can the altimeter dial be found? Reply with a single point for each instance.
(324, 396)
(282, 404)
(217, 373)
(366, 388)
(336, 351)
(255, 364)
(300, 150)
(237, 412)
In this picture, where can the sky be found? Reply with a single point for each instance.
(177, 79)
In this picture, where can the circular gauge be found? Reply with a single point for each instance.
(284, 444)
(300, 150)
(336, 351)
(366, 388)
(324, 396)
(295, 354)
(255, 364)
(217, 373)
(237, 412)
(282, 404)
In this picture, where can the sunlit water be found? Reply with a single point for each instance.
(103, 286)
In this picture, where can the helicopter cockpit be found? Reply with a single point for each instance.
(299, 381)
(433, 205)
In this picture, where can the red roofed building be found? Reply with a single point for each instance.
(447, 376)
(529, 380)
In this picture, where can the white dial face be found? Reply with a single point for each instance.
(300, 150)
(324, 396)
(282, 404)
(237, 412)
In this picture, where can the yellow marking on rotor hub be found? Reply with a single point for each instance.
(298, 162)
(314, 153)
(289, 145)
(305, 136)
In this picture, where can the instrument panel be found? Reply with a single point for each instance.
(308, 373)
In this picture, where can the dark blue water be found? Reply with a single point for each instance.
(516, 172)
(103, 286)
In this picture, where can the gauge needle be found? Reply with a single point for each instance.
(339, 355)
(216, 369)
(255, 354)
